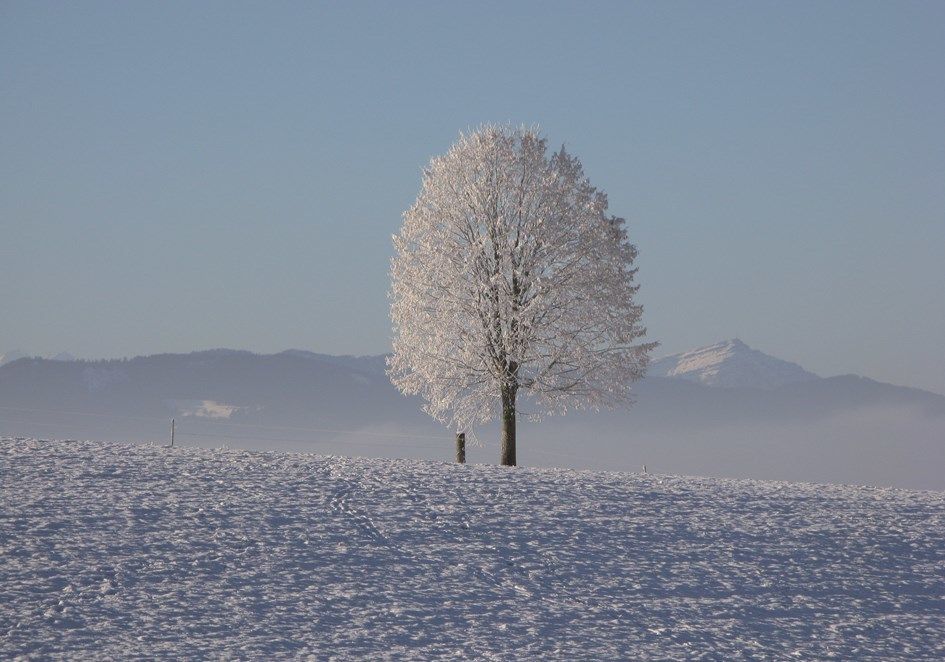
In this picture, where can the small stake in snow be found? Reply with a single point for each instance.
(461, 447)
(172, 433)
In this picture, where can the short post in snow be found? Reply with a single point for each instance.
(461, 447)
(172, 433)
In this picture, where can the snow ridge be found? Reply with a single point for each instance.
(11, 356)
(730, 364)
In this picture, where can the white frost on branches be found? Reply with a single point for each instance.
(511, 278)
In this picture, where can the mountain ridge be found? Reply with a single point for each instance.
(727, 364)
(730, 364)
(846, 429)
(16, 355)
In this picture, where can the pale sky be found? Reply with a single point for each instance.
(180, 176)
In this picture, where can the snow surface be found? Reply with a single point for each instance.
(116, 551)
(730, 364)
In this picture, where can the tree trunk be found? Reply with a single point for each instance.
(508, 427)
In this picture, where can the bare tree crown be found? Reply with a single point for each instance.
(510, 278)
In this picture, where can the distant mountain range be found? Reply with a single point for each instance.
(725, 409)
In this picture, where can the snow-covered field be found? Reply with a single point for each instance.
(117, 551)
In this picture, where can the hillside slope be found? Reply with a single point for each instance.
(116, 551)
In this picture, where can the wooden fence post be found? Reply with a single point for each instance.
(461, 447)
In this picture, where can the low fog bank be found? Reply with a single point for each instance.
(844, 429)
(900, 446)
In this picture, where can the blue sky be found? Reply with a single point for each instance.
(176, 176)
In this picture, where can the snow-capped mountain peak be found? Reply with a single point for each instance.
(730, 364)
(11, 356)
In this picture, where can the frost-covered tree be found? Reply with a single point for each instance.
(510, 281)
